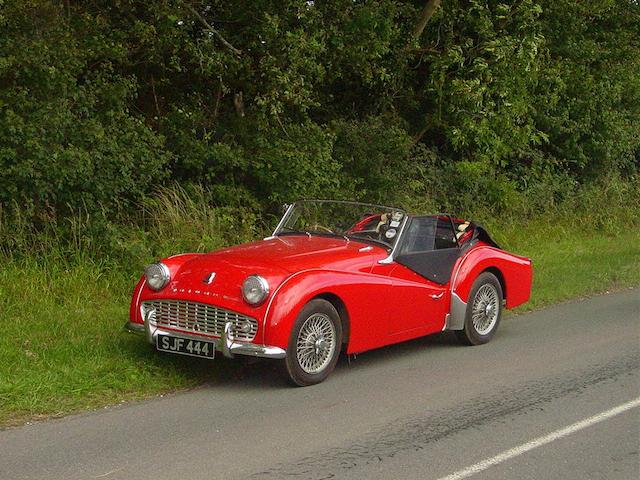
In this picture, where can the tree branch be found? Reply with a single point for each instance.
(427, 12)
(155, 97)
(418, 136)
(213, 30)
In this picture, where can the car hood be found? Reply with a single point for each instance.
(274, 259)
(290, 254)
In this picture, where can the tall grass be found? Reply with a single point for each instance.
(184, 221)
(173, 220)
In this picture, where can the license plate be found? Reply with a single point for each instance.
(185, 346)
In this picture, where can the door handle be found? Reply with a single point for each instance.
(437, 296)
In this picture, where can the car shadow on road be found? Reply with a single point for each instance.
(246, 373)
(250, 373)
(390, 353)
(421, 346)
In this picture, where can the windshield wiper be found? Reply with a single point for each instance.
(380, 243)
(291, 231)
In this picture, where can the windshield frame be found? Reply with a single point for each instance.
(279, 230)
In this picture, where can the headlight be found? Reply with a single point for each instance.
(157, 275)
(255, 289)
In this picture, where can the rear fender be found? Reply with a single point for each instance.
(516, 273)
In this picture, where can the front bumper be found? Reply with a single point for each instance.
(224, 344)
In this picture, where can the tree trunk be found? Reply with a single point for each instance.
(427, 12)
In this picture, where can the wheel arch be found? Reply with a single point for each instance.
(343, 313)
(500, 276)
(458, 307)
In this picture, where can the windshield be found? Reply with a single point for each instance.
(352, 220)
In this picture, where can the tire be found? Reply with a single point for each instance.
(314, 346)
(484, 311)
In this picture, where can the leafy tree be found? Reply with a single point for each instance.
(103, 101)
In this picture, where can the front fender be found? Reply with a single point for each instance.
(173, 263)
(359, 292)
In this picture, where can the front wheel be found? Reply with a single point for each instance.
(315, 343)
(484, 311)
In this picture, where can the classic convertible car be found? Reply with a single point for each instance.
(334, 276)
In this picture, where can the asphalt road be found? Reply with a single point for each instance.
(427, 409)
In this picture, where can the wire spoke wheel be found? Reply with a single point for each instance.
(483, 312)
(485, 309)
(316, 343)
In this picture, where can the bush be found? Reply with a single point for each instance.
(495, 106)
(375, 157)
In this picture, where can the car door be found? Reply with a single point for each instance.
(419, 294)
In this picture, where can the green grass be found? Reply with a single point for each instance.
(575, 263)
(62, 348)
(62, 345)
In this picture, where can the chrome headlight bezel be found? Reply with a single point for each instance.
(255, 290)
(157, 276)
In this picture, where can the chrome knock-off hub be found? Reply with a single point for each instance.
(320, 344)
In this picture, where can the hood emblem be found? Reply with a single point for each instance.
(209, 278)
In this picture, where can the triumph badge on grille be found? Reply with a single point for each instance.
(209, 278)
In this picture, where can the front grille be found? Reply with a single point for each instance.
(197, 318)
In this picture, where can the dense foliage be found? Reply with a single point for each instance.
(103, 101)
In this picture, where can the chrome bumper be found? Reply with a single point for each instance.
(224, 344)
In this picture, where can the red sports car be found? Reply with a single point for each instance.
(334, 276)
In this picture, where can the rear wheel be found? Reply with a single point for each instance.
(484, 311)
(315, 343)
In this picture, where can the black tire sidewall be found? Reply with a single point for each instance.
(296, 374)
(470, 333)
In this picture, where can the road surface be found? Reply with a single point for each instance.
(554, 395)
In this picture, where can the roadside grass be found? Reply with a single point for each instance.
(62, 345)
(575, 263)
(62, 348)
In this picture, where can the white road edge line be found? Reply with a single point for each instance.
(538, 442)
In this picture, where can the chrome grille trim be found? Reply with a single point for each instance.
(197, 318)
